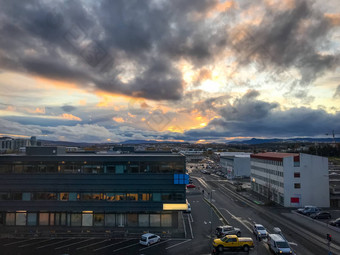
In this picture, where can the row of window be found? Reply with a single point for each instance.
(268, 171)
(266, 161)
(85, 219)
(272, 194)
(94, 168)
(267, 180)
(70, 196)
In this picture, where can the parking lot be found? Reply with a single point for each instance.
(11, 246)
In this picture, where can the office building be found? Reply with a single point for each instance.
(49, 187)
(235, 164)
(291, 180)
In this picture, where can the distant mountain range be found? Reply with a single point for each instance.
(287, 140)
(252, 141)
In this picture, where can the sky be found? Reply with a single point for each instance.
(193, 70)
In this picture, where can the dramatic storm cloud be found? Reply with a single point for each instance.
(176, 70)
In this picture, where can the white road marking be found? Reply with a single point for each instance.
(51, 244)
(191, 218)
(19, 241)
(153, 245)
(233, 216)
(104, 247)
(73, 244)
(30, 244)
(125, 247)
(178, 244)
(192, 234)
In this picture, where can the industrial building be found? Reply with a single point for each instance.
(235, 164)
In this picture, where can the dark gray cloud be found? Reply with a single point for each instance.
(68, 108)
(247, 108)
(90, 42)
(249, 116)
(285, 39)
(337, 92)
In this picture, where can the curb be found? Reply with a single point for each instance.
(225, 222)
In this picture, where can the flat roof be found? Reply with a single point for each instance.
(278, 156)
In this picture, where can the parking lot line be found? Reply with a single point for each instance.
(19, 241)
(30, 244)
(172, 246)
(101, 248)
(126, 247)
(92, 244)
(51, 244)
(67, 245)
(155, 245)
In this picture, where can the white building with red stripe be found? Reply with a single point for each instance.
(290, 179)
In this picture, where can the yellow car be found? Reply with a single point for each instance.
(233, 242)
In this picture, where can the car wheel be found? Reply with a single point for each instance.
(220, 248)
(246, 248)
(148, 244)
(158, 240)
(238, 234)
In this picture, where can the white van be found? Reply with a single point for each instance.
(278, 244)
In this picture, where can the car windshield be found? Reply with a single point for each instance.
(282, 245)
(143, 238)
(224, 239)
(261, 228)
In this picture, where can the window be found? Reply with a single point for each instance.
(20, 219)
(76, 219)
(10, 218)
(98, 220)
(64, 196)
(110, 219)
(32, 219)
(297, 185)
(87, 219)
(296, 175)
(143, 220)
(43, 219)
(155, 220)
(132, 220)
(166, 220)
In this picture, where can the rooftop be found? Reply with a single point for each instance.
(279, 156)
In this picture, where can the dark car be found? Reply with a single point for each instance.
(321, 215)
(335, 222)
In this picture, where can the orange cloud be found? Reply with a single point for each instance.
(333, 18)
(82, 102)
(217, 8)
(131, 115)
(10, 108)
(68, 116)
(118, 119)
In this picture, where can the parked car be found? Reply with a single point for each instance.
(190, 186)
(321, 215)
(259, 231)
(227, 230)
(335, 223)
(278, 245)
(149, 238)
(310, 210)
(306, 207)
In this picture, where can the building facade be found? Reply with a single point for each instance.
(235, 164)
(291, 180)
(48, 187)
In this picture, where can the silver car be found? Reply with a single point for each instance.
(227, 230)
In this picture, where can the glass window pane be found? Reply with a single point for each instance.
(155, 220)
(43, 219)
(51, 219)
(98, 219)
(110, 219)
(87, 220)
(20, 219)
(63, 219)
(10, 218)
(166, 220)
(156, 197)
(132, 220)
(32, 219)
(76, 219)
(143, 220)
